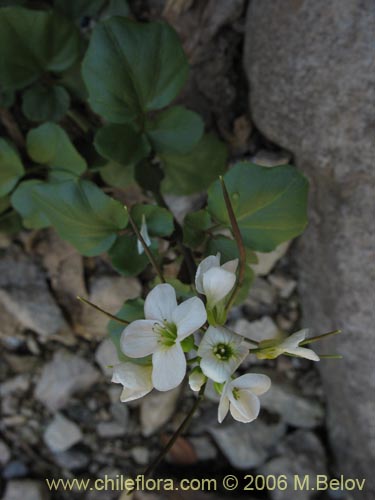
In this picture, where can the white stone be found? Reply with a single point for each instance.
(156, 409)
(61, 434)
(267, 261)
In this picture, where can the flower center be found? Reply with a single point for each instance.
(236, 393)
(167, 333)
(223, 352)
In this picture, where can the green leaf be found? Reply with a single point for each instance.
(7, 98)
(194, 171)
(82, 214)
(32, 43)
(43, 103)
(195, 227)
(270, 204)
(76, 9)
(175, 130)
(122, 144)
(49, 144)
(125, 257)
(117, 8)
(10, 222)
(4, 204)
(228, 250)
(117, 175)
(183, 291)
(148, 175)
(131, 68)
(23, 202)
(130, 311)
(11, 168)
(159, 220)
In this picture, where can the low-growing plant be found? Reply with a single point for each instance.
(87, 112)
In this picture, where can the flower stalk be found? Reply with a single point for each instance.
(106, 313)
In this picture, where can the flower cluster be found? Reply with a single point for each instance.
(193, 333)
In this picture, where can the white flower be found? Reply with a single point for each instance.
(145, 236)
(215, 281)
(161, 333)
(222, 351)
(136, 380)
(291, 346)
(240, 397)
(196, 379)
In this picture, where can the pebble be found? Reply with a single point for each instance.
(262, 298)
(204, 448)
(18, 384)
(73, 459)
(285, 285)
(267, 261)
(267, 158)
(15, 469)
(247, 445)
(65, 375)
(110, 429)
(156, 409)
(140, 455)
(262, 329)
(26, 489)
(61, 434)
(4, 453)
(106, 356)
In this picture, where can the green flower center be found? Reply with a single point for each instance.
(167, 333)
(236, 393)
(223, 352)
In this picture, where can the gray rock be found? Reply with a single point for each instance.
(267, 261)
(293, 407)
(286, 286)
(271, 158)
(110, 429)
(61, 434)
(26, 490)
(4, 453)
(156, 409)
(299, 454)
(109, 293)
(262, 298)
(72, 459)
(247, 445)
(204, 448)
(106, 356)
(140, 455)
(65, 375)
(265, 328)
(24, 294)
(15, 469)
(311, 72)
(18, 384)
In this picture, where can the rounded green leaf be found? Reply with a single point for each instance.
(175, 130)
(33, 42)
(228, 250)
(125, 258)
(43, 103)
(131, 68)
(195, 227)
(159, 220)
(195, 171)
(50, 145)
(82, 214)
(11, 168)
(270, 204)
(118, 176)
(76, 9)
(4, 204)
(121, 143)
(23, 202)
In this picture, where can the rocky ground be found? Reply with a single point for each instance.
(61, 415)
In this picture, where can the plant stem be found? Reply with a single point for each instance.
(319, 337)
(79, 120)
(145, 247)
(109, 315)
(12, 128)
(183, 426)
(240, 245)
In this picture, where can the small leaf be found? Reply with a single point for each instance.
(7, 98)
(117, 8)
(130, 311)
(76, 9)
(269, 203)
(195, 226)
(43, 103)
(118, 176)
(4, 204)
(82, 214)
(194, 171)
(148, 175)
(131, 68)
(228, 250)
(125, 258)
(11, 168)
(10, 222)
(122, 144)
(34, 42)
(175, 130)
(24, 204)
(49, 144)
(159, 220)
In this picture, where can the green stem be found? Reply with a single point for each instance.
(145, 247)
(319, 337)
(240, 245)
(79, 120)
(12, 128)
(184, 425)
(109, 315)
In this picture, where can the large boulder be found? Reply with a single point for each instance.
(311, 77)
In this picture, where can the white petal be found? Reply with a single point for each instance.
(223, 406)
(215, 369)
(294, 339)
(256, 383)
(246, 408)
(217, 335)
(196, 380)
(132, 394)
(145, 236)
(217, 283)
(230, 266)
(189, 317)
(139, 339)
(136, 380)
(169, 367)
(302, 352)
(204, 266)
(161, 302)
